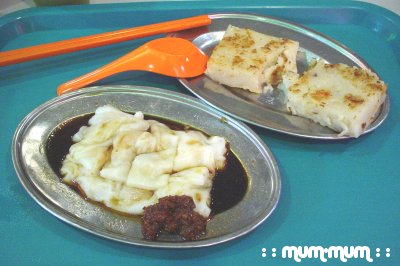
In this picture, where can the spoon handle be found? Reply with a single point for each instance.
(86, 42)
(124, 63)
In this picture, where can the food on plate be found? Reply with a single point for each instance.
(250, 60)
(343, 98)
(128, 163)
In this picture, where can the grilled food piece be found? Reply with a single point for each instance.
(343, 98)
(249, 60)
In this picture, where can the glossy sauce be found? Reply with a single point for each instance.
(229, 185)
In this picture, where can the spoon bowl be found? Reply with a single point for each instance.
(175, 57)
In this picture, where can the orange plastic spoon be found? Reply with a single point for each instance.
(169, 56)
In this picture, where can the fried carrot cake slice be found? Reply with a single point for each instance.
(250, 60)
(343, 98)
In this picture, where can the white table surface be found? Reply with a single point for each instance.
(8, 6)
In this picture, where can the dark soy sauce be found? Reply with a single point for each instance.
(60, 140)
(229, 185)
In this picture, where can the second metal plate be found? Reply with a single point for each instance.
(268, 110)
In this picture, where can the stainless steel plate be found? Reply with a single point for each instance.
(35, 174)
(268, 110)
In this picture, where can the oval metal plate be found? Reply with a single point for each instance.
(35, 174)
(268, 110)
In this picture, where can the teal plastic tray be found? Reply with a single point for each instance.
(340, 193)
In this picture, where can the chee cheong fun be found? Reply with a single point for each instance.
(128, 163)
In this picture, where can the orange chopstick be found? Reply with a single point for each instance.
(86, 42)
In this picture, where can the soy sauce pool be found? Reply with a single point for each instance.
(229, 185)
